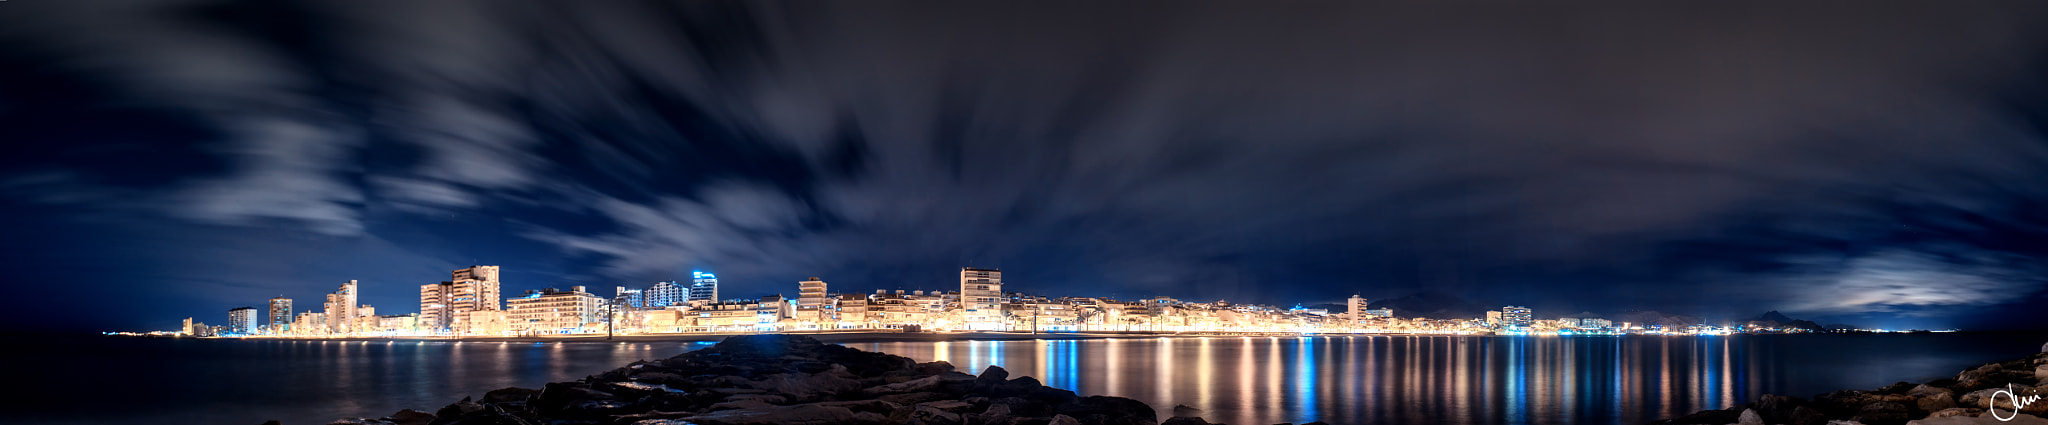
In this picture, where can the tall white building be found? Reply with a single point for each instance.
(981, 297)
(242, 320)
(810, 300)
(1354, 308)
(664, 294)
(703, 286)
(340, 309)
(280, 315)
(551, 311)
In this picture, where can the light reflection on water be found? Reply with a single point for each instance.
(1443, 379)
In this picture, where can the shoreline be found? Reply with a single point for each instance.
(2004, 392)
(870, 336)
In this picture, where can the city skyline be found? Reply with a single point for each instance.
(1882, 167)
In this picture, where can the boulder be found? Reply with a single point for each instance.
(1924, 391)
(1777, 409)
(1749, 417)
(1063, 420)
(927, 383)
(1803, 415)
(1182, 410)
(1937, 402)
(410, 417)
(803, 414)
(1184, 420)
(1895, 388)
(1882, 413)
(991, 376)
(1955, 411)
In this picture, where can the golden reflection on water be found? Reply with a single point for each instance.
(1381, 379)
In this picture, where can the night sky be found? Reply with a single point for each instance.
(1883, 164)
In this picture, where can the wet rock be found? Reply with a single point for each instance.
(1184, 420)
(1063, 420)
(1937, 402)
(934, 368)
(991, 376)
(927, 383)
(410, 417)
(1749, 417)
(803, 414)
(1803, 415)
(1882, 413)
(745, 403)
(1110, 411)
(912, 398)
(1777, 409)
(1924, 391)
(1716, 417)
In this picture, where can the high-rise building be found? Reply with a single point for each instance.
(447, 305)
(475, 289)
(434, 311)
(981, 297)
(634, 298)
(280, 315)
(341, 309)
(810, 300)
(242, 320)
(703, 287)
(1355, 307)
(1516, 316)
(551, 311)
(664, 294)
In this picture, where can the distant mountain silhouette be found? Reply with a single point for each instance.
(1774, 318)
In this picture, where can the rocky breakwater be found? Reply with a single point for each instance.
(1996, 393)
(787, 379)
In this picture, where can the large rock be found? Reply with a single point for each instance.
(927, 383)
(1882, 413)
(1749, 417)
(1937, 402)
(803, 414)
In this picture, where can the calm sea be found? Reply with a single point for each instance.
(1256, 380)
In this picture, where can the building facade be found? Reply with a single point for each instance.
(448, 305)
(703, 287)
(280, 315)
(1517, 317)
(551, 311)
(981, 297)
(340, 309)
(242, 320)
(664, 294)
(811, 305)
(634, 298)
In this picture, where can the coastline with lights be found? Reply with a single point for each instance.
(468, 307)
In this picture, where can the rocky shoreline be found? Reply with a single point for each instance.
(789, 379)
(1968, 398)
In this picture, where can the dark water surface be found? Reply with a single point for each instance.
(1255, 380)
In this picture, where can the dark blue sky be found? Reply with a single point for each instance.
(1862, 162)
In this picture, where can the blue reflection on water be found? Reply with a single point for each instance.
(1305, 375)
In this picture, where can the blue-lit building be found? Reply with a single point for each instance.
(634, 298)
(703, 287)
(242, 321)
(665, 294)
(1517, 317)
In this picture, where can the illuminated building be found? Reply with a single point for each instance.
(550, 311)
(634, 298)
(242, 320)
(340, 309)
(981, 297)
(1517, 317)
(703, 286)
(665, 294)
(810, 301)
(280, 315)
(447, 305)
